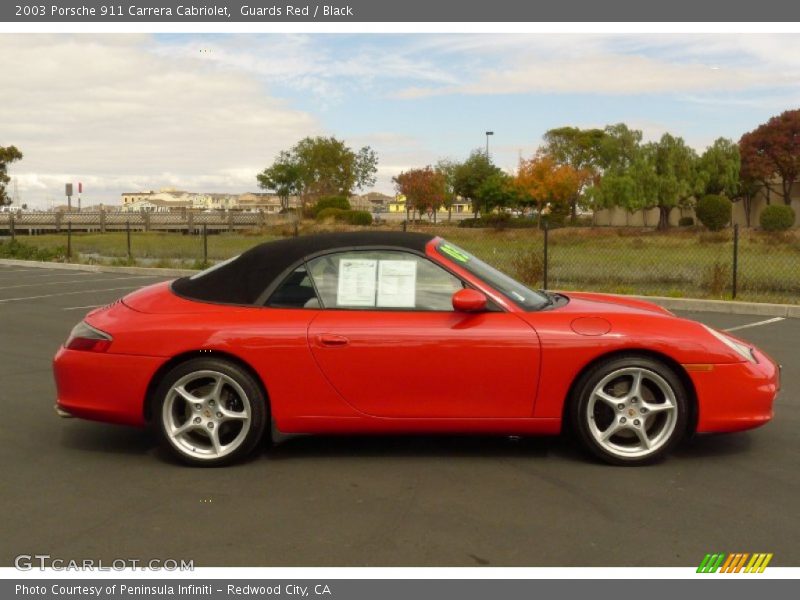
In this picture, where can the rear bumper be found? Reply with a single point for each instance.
(103, 386)
(738, 396)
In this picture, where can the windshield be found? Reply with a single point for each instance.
(520, 295)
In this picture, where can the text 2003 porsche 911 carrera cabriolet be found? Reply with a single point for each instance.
(401, 333)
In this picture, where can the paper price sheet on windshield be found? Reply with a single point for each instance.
(385, 283)
(397, 283)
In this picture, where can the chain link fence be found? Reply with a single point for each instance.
(736, 263)
(732, 264)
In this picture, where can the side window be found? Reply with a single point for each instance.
(382, 280)
(296, 291)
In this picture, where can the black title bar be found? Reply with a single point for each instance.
(121, 11)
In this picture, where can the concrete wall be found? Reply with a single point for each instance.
(619, 217)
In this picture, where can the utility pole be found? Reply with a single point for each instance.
(15, 194)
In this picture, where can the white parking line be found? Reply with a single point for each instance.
(127, 287)
(756, 324)
(79, 307)
(8, 287)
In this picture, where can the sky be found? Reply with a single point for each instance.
(206, 113)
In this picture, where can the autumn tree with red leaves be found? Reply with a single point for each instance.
(771, 151)
(546, 180)
(423, 188)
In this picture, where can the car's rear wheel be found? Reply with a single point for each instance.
(630, 410)
(209, 412)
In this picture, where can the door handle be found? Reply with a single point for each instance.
(333, 340)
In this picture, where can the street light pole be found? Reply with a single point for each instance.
(488, 133)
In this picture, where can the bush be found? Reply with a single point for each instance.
(330, 213)
(496, 220)
(686, 222)
(357, 217)
(18, 250)
(499, 221)
(528, 266)
(353, 217)
(777, 217)
(714, 212)
(716, 278)
(340, 202)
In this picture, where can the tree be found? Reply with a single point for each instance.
(626, 175)
(423, 188)
(448, 170)
(8, 154)
(718, 169)
(773, 150)
(619, 147)
(499, 190)
(470, 175)
(675, 178)
(748, 189)
(627, 183)
(547, 182)
(284, 177)
(580, 149)
(327, 167)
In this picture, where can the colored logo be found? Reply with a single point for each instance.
(740, 562)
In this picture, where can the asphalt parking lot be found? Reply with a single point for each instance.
(76, 490)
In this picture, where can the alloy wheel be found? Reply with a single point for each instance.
(206, 415)
(632, 412)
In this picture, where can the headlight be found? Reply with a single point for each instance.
(741, 349)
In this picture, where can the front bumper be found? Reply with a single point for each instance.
(103, 386)
(737, 396)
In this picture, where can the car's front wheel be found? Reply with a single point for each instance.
(630, 410)
(209, 412)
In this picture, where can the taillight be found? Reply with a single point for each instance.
(85, 337)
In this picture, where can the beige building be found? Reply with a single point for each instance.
(156, 205)
(164, 194)
(168, 198)
(372, 202)
(460, 206)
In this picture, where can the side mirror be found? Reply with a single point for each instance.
(469, 300)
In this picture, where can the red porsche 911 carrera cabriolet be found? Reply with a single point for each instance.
(380, 333)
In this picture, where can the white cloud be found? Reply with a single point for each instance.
(313, 64)
(110, 113)
(615, 65)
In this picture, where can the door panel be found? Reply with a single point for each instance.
(429, 364)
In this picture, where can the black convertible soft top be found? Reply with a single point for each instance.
(242, 280)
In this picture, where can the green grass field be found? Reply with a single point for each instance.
(625, 260)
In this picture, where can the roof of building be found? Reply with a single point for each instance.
(243, 279)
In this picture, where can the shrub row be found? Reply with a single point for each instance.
(498, 221)
(18, 250)
(353, 217)
(326, 202)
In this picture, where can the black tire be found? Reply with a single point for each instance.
(593, 416)
(239, 396)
